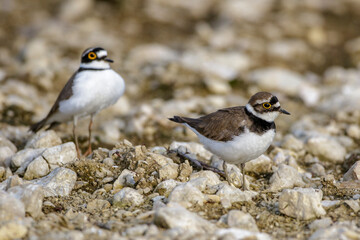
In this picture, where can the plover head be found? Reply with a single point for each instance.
(265, 106)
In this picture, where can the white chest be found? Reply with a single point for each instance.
(92, 92)
(241, 149)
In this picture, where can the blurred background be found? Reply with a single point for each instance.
(185, 57)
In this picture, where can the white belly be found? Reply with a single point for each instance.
(92, 92)
(241, 149)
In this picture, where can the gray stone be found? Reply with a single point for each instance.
(326, 149)
(4, 142)
(317, 170)
(60, 155)
(353, 173)
(169, 171)
(211, 177)
(239, 219)
(98, 205)
(5, 153)
(340, 230)
(165, 187)
(234, 194)
(260, 165)
(187, 195)
(126, 179)
(44, 139)
(192, 147)
(37, 169)
(320, 223)
(10, 207)
(236, 233)
(292, 143)
(285, 177)
(127, 197)
(32, 197)
(301, 203)
(327, 204)
(15, 229)
(109, 162)
(24, 157)
(176, 216)
(59, 182)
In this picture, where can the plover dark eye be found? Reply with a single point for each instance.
(91, 55)
(266, 105)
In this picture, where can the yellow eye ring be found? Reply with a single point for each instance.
(91, 55)
(266, 105)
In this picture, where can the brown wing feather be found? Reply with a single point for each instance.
(221, 125)
(65, 93)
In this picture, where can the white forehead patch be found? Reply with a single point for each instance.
(277, 104)
(102, 53)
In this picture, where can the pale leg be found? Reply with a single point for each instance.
(89, 150)
(75, 137)
(244, 185)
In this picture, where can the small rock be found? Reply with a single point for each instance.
(317, 170)
(187, 195)
(169, 171)
(292, 143)
(340, 230)
(211, 177)
(353, 204)
(24, 157)
(327, 149)
(353, 131)
(301, 203)
(136, 231)
(285, 177)
(13, 230)
(4, 142)
(159, 150)
(192, 147)
(320, 223)
(98, 204)
(260, 165)
(353, 173)
(37, 169)
(176, 216)
(239, 219)
(32, 197)
(5, 153)
(327, 204)
(166, 187)
(126, 179)
(10, 207)
(44, 139)
(160, 159)
(109, 162)
(127, 197)
(234, 194)
(59, 182)
(60, 155)
(235, 233)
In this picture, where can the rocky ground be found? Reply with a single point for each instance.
(188, 58)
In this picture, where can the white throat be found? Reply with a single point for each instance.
(268, 116)
(98, 64)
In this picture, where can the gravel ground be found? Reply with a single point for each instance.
(188, 58)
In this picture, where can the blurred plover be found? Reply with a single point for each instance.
(238, 134)
(93, 87)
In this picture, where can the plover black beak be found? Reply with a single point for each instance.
(284, 111)
(108, 60)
